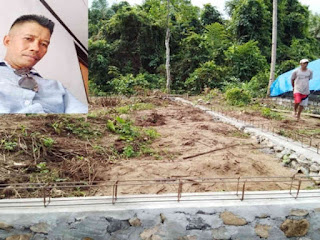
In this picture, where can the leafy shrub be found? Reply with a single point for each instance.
(258, 84)
(212, 94)
(207, 75)
(237, 96)
(245, 60)
(130, 84)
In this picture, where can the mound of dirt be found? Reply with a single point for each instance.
(154, 119)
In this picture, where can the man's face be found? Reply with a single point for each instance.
(304, 65)
(26, 44)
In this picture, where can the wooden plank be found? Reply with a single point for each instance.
(306, 114)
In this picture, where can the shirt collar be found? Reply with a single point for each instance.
(3, 63)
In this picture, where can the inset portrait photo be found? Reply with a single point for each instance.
(44, 56)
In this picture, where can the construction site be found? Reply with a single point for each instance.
(158, 150)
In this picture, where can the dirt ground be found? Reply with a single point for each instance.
(191, 145)
(186, 132)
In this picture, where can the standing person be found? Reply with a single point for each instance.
(300, 82)
(22, 89)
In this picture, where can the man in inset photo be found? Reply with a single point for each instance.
(22, 89)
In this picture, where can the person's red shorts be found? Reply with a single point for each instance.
(298, 97)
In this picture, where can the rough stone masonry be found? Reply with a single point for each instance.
(196, 219)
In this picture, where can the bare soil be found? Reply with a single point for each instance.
(191, 145)
(186, 132)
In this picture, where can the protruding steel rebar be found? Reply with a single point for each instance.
(115, 192)
(179, 190)
(243, 189)
(299, 185)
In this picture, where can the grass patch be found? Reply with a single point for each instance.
(132, 140)
(268, 113)
(75, 126)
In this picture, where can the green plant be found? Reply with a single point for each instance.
(76, 126)
(8, 145)
(151, 133)
(42, 167)
(123, 127)
(47, 141)
(268, 113)
(23, 130)
(128, 151)
(237, 97)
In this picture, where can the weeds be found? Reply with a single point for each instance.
(76, 126)
(8, 145)
(268, 113)
(134, 138)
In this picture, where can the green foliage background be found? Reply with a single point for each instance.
(127, 51)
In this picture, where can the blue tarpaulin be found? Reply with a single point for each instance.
(283, 83)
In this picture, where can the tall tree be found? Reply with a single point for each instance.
(274, 45)
(167, 44)
(210, 14)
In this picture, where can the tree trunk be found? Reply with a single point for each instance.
(167, 41)
(274, 45)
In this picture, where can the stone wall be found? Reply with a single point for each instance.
(274, 219)
(290, 158)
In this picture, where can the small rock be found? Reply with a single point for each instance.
(9, 191)
(229, 218)
(188, 237)
(220, 233)
(162, 218)
(279, 156)
(294, 164)
(149, 233)
(314, 168)
(125, 116)
(57, 192)
(304, 160)
(19, 165)
(299, 212)
(303, 170)
(135, 222)
(267, 150)
(270, 145)
(20, 237)
(295, 228)
(293, 156)
(264, 216)
(286, 152)
(262, 230)
(87, 238)
(155, 237)
(5, 226)
(40, 228)
(278, 149)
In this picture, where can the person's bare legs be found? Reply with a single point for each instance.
(299, 112)
(296, 105)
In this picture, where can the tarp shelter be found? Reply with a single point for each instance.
(283, 83)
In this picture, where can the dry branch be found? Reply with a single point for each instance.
(214, 150)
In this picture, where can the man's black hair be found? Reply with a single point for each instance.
(42, 20)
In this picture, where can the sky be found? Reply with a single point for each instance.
(314, 5)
